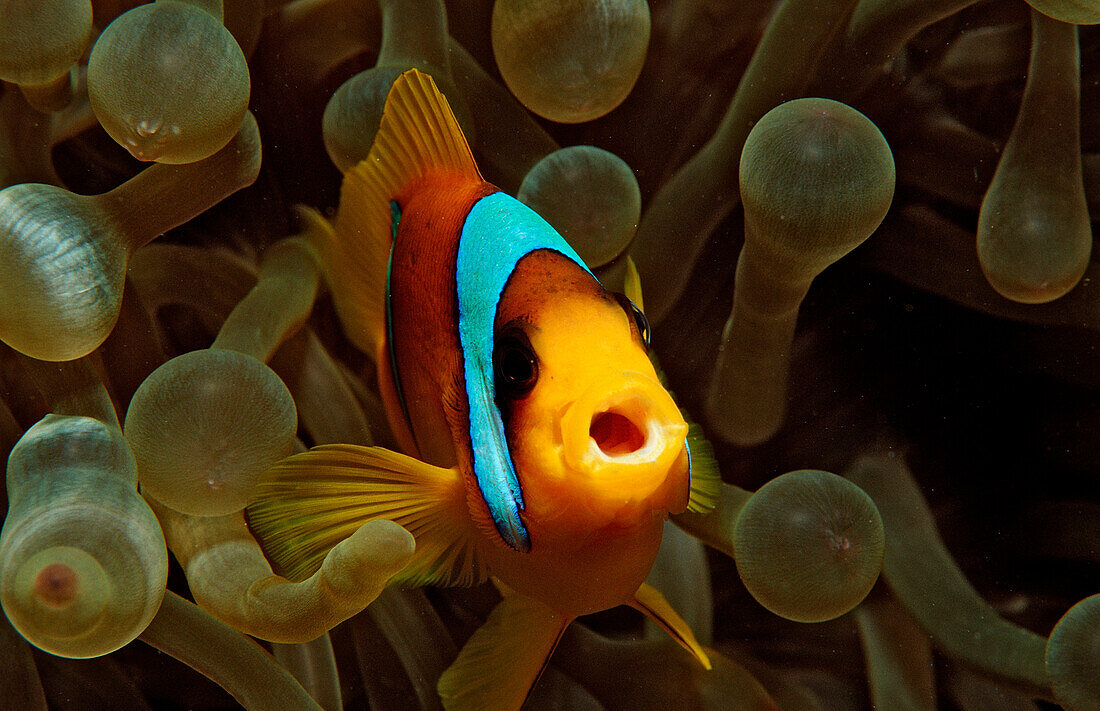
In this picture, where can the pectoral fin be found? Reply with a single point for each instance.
(705, 479)
(505, 657)
(307, 503)
(654, 605)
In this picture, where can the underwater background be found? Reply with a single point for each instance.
(904, 359)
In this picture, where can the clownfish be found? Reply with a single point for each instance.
(542, 449)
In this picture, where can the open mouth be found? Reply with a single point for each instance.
(616, 434)
(623, 431)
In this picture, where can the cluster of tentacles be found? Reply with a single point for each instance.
(863, 230)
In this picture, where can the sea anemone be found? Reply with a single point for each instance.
(862, 231)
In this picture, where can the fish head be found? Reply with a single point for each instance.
(597, 441)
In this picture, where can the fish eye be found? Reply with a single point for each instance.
(515, 366)
(634, 312)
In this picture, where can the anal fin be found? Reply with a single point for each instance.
(653, 604)
(501, 662)
(309, 502)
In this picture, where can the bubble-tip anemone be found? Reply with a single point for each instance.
(1073, 656)
(570, 60)
(817, 178)
(590, 196)
(168, 82)
(64, 255)
(1034, 235)
(205, 425)
(803, 526)
(809, 545)
(82, 559)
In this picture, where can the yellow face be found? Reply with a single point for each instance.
(597, 441)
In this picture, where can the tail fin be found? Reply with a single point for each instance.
(418, 135)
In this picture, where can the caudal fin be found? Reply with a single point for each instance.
(418, 134)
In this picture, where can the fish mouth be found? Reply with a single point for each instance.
(623, 435)
(617, 434)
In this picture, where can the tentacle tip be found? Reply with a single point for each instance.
(809, 523)
(56, 585)
(377, 551)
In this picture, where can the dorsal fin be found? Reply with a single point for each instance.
(418, 135)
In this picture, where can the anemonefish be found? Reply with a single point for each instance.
(542, 449)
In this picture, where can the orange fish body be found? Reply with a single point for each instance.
(583, 558)
(593, 541)
(422, 276)
(545, 451)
